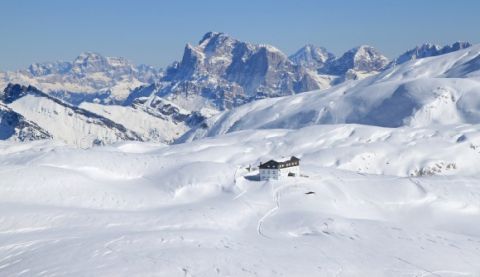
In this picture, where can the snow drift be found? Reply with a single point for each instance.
(194, 210)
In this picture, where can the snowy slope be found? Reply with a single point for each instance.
(436, 90)
(64, 122)
(14, 126)
(146, 125)
(194, 210)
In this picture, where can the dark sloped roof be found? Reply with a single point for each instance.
(269, 164)
(272, 164)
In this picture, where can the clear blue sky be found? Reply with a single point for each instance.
(155, 32)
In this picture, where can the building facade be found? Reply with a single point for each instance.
(275, 170)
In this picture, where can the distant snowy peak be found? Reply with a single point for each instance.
(312, 57)
(89, 63)
(357, 63)
(429, 50)
(42, 69)
(89, 77)
(363, 58)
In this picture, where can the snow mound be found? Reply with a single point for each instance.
(372, 201)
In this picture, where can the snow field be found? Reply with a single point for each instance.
(194, 210)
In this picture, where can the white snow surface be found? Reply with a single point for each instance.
(65, 124)
(372, 201)
(150, 127)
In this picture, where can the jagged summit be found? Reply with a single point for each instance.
(88, 55)
(214, 37)
(430, 50)
(222, 72)
(13, 92)
(442, 90)
(210, 35)
(356, 63)
(362, 58)
(219, 73)
(312, 57)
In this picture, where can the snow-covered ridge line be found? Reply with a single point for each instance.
(437, 90)
(16, 127)
(15, 91)
(62, 121)
(219, 73)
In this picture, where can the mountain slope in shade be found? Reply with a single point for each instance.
(146, 119)
(14, 126)
(64, 122)
(437, 90)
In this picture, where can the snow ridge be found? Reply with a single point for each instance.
(439, 90)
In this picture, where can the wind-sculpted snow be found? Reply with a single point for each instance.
(371, 201)
(438, 90)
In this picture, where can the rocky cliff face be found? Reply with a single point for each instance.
(222, 72)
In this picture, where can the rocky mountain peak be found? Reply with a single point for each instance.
(312, 57)
(363, 58)
(430, 50)
(228, 72)
(14, 91)
(367, 58)
(90, 62)
(42, 69)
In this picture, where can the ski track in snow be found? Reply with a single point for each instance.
(194, 210)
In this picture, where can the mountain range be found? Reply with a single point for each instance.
(219, 82)
(441, 90)
(89, 77)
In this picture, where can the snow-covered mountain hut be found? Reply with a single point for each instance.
(278, 169)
